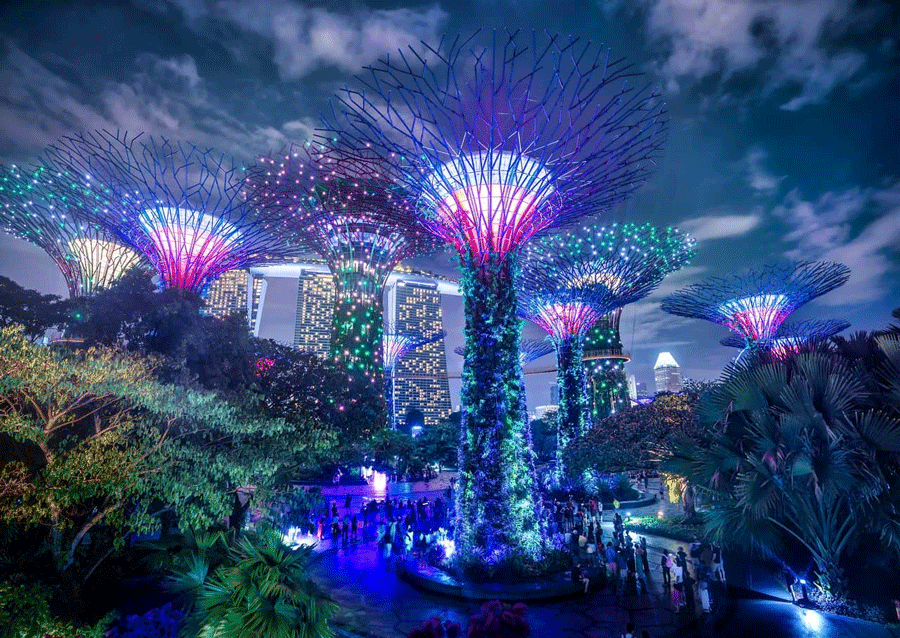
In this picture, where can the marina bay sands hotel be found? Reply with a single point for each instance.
(412, 303)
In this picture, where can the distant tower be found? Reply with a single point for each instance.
(419, 378)
(315, 308)
(632, 387)
(667, 373)
(554, 394)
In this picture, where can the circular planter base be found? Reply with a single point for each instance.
(439, 582)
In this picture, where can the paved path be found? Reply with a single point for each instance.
(375, 602)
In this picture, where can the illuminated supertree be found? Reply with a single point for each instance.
(790, 338)
(181, 207)
(530, 350)
(361, 226)
(35, 206)
(755, 304)
(396, 346)
(500, 142)
(604, 365)
(572, 280)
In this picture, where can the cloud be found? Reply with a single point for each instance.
(164, 96)
(758, 177)
(791, 44)
(305, 39)
(856, 227)
(720, 226)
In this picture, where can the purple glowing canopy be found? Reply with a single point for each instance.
(571, 280)
(792, 337)
(35, 205)
(756, 303)
(505, 140)
(361, 225)
(181, 206)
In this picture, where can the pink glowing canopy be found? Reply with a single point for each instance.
(757, 317)
(562, 320)
(185, 245)
(488, 202)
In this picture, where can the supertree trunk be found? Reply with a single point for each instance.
(357, 328)
(573, 417)
(389, 400)
(609, 388)
(497, 516)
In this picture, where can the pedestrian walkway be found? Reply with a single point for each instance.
(374, 602)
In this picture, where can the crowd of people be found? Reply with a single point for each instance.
(404, 527)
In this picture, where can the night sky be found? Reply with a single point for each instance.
(783, 121)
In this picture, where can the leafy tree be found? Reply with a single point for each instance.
(249, 586)
(196, 349)
(543, 436)
(36, 313)
(638, 437)
(806, 449)
(307, 390)
(439, 444)
(393, 448)
(95, 447)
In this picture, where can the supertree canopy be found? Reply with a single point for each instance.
(790, 338)
(570, 281)
(180, 206)
(35, 206)
(756, 303)
(362, 226)
(500, 141)
(396, 346)
(530, 350)
(604, 365)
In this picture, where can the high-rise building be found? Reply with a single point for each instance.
(412, 302)
(420, 377)
(667, 373)
(632, 387)
(554, 394)
(315, 305)
(228, 294)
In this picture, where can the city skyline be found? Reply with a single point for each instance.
(780, 143)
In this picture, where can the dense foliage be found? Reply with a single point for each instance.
(805, 450)
(638, 437)
(95, 448)
(35, 312)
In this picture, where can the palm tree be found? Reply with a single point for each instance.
(805, 449)
(265, 592)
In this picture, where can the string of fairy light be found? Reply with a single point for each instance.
(571, 281)
(179, 206)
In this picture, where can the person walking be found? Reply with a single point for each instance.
(678, 587)
(629, 631)
(640, 564)
(718, 569)
(666, 564)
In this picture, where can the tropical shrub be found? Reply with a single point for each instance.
(261, 589)
(806, 449)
